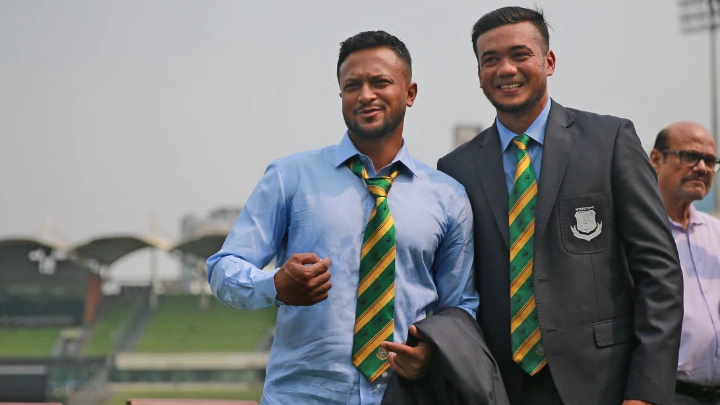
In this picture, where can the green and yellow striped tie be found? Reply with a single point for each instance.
(376, 288)
(527, 345)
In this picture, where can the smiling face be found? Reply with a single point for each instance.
(513, 69)
(375, 89)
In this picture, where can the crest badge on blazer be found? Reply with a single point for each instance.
(587, 228)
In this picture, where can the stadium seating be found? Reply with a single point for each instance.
(161, 401)
(30, 403)
(113, 317)
(28, 342)
(179, 324)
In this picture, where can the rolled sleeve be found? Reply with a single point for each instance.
(235, 273)
(242, 288)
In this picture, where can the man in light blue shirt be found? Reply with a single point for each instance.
(310, 211)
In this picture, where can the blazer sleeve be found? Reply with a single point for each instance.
(652, 258)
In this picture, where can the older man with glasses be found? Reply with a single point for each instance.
(685, 161)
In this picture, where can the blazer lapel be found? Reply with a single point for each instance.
(558, 145)
(490, 171)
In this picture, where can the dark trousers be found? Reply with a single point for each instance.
(686, 400)
(540, 389)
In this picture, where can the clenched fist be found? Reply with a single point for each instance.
(303, 280)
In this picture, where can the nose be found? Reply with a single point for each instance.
(367, 94)
(700, 166)
(507, 68)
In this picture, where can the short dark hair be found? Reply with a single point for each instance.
(511, 15)
(373, 39)
(661, 141)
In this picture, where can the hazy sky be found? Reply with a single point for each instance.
(110, 110)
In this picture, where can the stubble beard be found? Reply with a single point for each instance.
(523, 107)
(389, 124)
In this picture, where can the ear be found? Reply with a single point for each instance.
(550, 63)
(411, 94)
(656, 159)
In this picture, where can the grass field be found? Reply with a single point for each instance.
(119, 397)
(180, 325)
(35, 342)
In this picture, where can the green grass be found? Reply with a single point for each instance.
(35, 342)
(119, 397)
(179, 325)
(109, 322)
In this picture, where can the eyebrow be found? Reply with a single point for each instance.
(512, 49)
(697, 153)
(355, 79)
(350, 80)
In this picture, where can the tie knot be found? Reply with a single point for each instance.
(521, 141)
(378, 186)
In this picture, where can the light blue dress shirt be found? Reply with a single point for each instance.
(509, 150)
(312, 202)
(699, 251)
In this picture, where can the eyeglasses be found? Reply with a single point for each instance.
(690, 158)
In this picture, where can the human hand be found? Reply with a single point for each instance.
(303, 280)
(409, 362)
(635, 402)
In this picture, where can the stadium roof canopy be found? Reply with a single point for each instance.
(108, 250)
(27, 244)
(202, 246)
(31, 254)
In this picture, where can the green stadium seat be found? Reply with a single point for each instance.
(161, 401)
(180, 325)
(30, 403)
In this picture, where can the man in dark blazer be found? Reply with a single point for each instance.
(605, 286)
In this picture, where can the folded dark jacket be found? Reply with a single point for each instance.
(462, 370)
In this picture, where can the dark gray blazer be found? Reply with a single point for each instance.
(608, 289)
(462, 370)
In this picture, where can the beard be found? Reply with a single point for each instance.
(388, 125)
(523, 107)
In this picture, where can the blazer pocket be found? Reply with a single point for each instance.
(614, 331)
(585, 223)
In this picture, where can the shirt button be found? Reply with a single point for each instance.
(384, 374)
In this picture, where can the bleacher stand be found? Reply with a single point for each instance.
(160, 401)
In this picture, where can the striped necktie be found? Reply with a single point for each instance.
(376, 288)
(527, 345)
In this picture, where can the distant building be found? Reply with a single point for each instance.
(465, 132)
(218, 221)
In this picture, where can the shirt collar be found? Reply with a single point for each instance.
(536, 131)
(694, 219)
(347, 149)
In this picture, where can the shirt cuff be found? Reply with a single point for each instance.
(470, 311)
(264, 285)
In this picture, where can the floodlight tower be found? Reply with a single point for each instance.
(702, 16)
